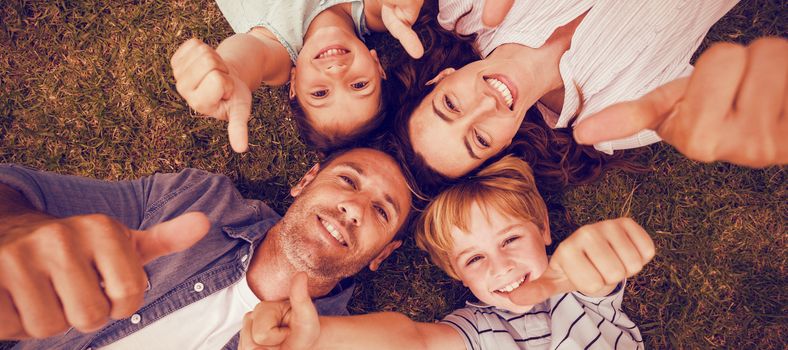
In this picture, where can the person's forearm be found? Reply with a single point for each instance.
(386, 330)
(372, 15)
(256, 59)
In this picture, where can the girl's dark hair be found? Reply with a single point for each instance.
(556, 159)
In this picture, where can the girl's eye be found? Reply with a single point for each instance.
(510, 240)
(473, 260)
(482, 141)
(382, 213)
(450, 105)
(360, 85)
(348, 181)
(319, 93)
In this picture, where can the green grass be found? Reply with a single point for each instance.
(86, 89)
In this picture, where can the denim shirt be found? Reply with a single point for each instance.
(220, 259)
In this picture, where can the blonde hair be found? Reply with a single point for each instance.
(506, 185)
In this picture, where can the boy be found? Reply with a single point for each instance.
(335, 80)
(490, 233)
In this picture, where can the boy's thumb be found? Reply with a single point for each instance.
(170, 236)
(550, 283)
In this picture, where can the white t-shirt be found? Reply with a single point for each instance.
(192, 327)
(621, 50)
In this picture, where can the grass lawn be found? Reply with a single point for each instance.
(86, 89)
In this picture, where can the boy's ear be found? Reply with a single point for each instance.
(380, 67)
(444, 73)
(387, 250)
(292, 83)
(305, 180)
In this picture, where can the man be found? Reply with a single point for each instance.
(73, 251)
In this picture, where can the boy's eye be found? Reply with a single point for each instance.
(359, 85)
(382, 213)
(473, 260)
(450, 105)
(348, 181)
(482, 141)
(319, 93)
(510, 240)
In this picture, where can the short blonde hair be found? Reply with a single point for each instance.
(506, 185)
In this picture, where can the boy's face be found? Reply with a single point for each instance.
(337, 81)
(497, 255)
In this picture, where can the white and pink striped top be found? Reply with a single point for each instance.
(620, 51)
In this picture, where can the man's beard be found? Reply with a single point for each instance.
(303, 249)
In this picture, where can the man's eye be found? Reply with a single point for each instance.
(473, 260)
(360, 85)
(319, 93)
(450, 105)
(348, 181)
(382, 213)
(482, 141)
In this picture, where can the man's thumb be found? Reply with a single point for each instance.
(628, 118)
(170, 236)
(302, 320)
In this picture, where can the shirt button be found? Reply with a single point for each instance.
(198, 287)
(243, 258)
(136, 318)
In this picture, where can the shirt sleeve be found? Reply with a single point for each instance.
(464, 322)
(591, 322)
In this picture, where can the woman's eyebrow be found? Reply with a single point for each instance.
(440, 114)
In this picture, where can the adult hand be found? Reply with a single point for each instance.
(732, 108)
(210, 87)
(79, 271)
(495, 11)
(292, 325)
(593, 260)
(398, 16)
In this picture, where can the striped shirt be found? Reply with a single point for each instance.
(565, 321)
(620, 51)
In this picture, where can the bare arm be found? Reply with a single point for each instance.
(256, 58)
(396, 17)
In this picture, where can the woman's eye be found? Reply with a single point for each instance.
(360, 85)
(450, 105)
(319, 93)
(348, 181)
(473, 260)
(382, 213)
(482, 141)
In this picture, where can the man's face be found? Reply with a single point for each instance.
(345, 215)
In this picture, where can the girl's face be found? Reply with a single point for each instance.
(472, 114)
(337, 81)
(497, 254)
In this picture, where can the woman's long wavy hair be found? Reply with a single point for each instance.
(556, 159)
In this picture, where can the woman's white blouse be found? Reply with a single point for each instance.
(621, 50)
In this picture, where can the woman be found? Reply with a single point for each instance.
(544, 67)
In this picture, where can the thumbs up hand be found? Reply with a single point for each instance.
(79, 271)
(211, 88)
(593, 260)
(398, 16)
(288, 325)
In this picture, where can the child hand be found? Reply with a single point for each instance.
(593, 260)
(732, 108)
(398, 16)
(495, 11)
(292, 325)
(209, 87)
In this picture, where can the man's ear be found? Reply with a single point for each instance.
(387, 250)
(444, 73)
(292, 83)
(381, 71)
(305, 180)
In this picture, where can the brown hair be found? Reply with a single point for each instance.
(506, 186)
(556, 159)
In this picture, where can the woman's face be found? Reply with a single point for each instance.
(472, 114)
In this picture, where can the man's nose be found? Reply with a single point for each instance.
(351, 211)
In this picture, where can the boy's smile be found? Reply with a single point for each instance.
(497, 254)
